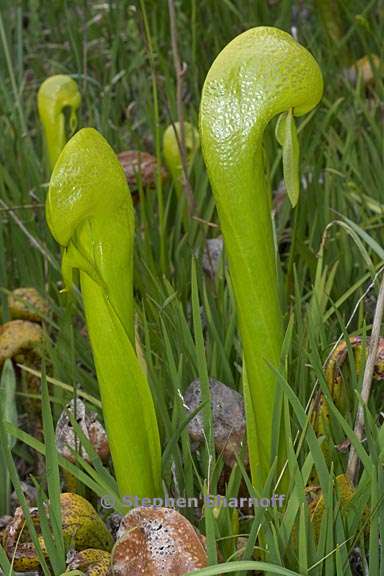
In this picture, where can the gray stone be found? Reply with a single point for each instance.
(228, 418)
(212, 255)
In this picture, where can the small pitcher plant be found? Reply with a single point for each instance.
(56, 94)
(171, 150)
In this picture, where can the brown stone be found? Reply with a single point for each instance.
(140, 166)
(27, 304)
(157, 542)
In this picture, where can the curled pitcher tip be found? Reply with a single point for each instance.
(259, 74)
(87, 180)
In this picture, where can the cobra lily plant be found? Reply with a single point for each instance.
(56, 94)
(89, 212)
(262, 73)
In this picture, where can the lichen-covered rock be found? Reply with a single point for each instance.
(20, 339)
(337, 384)
(157, 541)
(92, 562)
(17, 542)
(82, 525)
(228, 418)
(82, 529)
(345, 491)
(27, 304)
(68, 442)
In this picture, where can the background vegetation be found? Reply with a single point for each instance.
(331, 245)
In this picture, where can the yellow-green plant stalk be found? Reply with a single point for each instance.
(55, 95)
(90, 213)
(260, 74)
(329, 12)
(171, 150)
(332, 21)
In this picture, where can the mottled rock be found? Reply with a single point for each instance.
(140, 166)
(157, 541)
(66, 439)
(82, 526)
(82, 529)
(4, 521)
(212, 255)
(92, 562)
(228, 418)
(17, 543)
